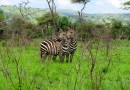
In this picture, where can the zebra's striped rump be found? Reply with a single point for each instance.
(54, 47)
(51, 47)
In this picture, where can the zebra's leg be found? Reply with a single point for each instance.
(67, 57)
(44, 57)
(62, 56)
(49, 57)
(54, 58)
(71, 56)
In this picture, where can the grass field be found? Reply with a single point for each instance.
(21, 68)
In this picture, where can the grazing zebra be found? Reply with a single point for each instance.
(54, 47)
(72, 44)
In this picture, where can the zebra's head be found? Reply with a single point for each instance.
(62, 35)
(71, 33)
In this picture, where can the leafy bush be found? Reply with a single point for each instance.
(2, 16)
(46, 21)
(46, 18)
(2, 24)
(116, 28)
(63, 22)
(85, 29)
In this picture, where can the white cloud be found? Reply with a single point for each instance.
(66, 4)
(95, 6)
(116, 3)
(99, 3)
(5, 2)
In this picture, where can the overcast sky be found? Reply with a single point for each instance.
(95, 6)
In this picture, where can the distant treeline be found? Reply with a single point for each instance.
(19, 26)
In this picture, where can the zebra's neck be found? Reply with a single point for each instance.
(72, 41)
(72, 45)
(65, 46)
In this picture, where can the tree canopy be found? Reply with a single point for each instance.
(127, 3)
(80, 1)
(63, 22)
(2, 16)
(46, 18)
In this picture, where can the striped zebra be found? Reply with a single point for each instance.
(72, 44)
(58, 46)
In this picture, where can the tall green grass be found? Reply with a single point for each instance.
(62, 76)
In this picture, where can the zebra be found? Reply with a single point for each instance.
(72, 44)
(58, 46)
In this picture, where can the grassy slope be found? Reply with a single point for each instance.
(70, 13)
(32, 13)
(62, 76)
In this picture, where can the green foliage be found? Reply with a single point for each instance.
(28, 32)
(16, 23)
(46, 18)
(85, 26)
(48, 32)
(21, 27)
(2, 16)
(57, 76)
(127, 3)
(116, 28)
(2, 24)
(80, 1)
(116, 24)
(119, 30)
(63, 22)
(85, 29)
(126, 28)
(47, 21)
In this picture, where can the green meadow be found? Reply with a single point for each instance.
(21, 68)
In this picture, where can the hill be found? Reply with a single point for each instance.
(36, 12)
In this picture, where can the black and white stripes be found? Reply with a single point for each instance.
(72, 44)
(50, 47)
(54, 47)
(64, 45)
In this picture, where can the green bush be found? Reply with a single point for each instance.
(63, 22)
(37, 34)
(28, 31)
(2, 18)
(85, 29)
(116, 28)
(129, 38)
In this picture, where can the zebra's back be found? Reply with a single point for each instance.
(51, 47)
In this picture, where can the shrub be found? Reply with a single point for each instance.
(63, 22)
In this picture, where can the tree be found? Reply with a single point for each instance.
(63, 22)
(85, 30)
(84, 2)
(127, 5)
(2, 17)
(52, 8)
(116, 28)
(46, 21)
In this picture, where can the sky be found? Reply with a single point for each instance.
(94, 6)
